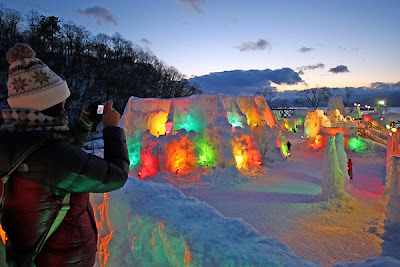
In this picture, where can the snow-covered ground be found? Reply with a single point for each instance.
(286, 204)
(148, 223)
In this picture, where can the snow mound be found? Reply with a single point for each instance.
(150, 224)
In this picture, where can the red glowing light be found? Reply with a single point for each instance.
(168, 127)
(149, 161)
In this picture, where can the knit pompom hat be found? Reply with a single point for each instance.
(31, 83)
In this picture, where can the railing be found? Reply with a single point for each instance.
(285, 112)
(372, 132)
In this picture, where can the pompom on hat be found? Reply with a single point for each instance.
(31, 83)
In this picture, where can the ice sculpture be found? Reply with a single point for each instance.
(341, 154)
(312, 126)
(332, 183)
(200, 133)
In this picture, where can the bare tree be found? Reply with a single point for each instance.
(33, 20)
(349, 92)
(9, 25)
(313, 98)
(268, 93)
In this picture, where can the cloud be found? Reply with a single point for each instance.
(339, 69)
(261, 44)
(306, 49)
(193, 4)
(310, 67)
(101, 14)
(244, 82)
(145, 41)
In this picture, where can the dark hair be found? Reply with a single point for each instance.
(54, 111)
(349, 159)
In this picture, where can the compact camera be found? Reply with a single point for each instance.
(100, 109)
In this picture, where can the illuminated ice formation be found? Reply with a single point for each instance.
(200, 134)
(312, 126)
(341, 154)
(335, 115)
(392, 190)
(332, 183)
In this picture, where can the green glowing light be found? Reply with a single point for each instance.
(358, 145)
(207, 155)
(235, 120)
(191, 121)
(134, 146)
(284, 145)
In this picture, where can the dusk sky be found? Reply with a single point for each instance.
(333, 43)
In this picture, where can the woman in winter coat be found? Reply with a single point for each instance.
(34, 192)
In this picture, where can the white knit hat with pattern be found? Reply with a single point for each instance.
(31, 83)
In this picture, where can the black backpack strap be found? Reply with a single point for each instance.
(12, 168)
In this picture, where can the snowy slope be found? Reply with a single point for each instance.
(147, 224)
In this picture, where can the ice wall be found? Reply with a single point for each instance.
(312, 126)
(200, 133)
(392, 190)
(150, 224)
(332, 183)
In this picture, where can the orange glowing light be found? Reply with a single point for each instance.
(160, 226)
(188, 257)
(318, 142)
(2, 234)
(245, 153)
(181, 156)
(104, 253)
(394, 130)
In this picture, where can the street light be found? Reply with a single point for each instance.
(382, 102)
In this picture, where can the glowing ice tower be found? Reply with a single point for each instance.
(199, 134)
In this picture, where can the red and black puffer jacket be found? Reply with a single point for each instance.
(34, 193)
